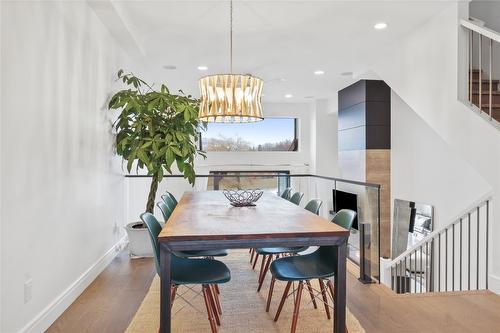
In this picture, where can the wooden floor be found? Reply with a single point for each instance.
(110, 302)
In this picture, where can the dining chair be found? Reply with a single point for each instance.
(204, 272)
(296, 198)
(166, 212)
(286, 193)
(174, 200)
(167, 199)
(268, 253)
(302, 269)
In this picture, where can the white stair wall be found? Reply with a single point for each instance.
(423, 69)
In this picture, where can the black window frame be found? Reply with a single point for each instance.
(295, 141)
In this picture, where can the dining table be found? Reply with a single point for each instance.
(205, 220)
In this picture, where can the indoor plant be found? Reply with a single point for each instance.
(154, 130)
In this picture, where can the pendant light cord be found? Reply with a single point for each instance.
(231, 38)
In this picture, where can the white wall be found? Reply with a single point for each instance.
(423, 70)
(62, 189)
(324, 133)
(424, 168)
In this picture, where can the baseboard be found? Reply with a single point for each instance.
(494, 284)
(48, 315)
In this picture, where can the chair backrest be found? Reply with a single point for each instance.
(296, 198)
(154, 229)
(344, 218)
(286, 193)
(168, 201)
(166, 211)
(174, 200)
(313, 206)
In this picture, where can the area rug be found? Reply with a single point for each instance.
(243, 307)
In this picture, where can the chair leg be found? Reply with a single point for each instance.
(262, 266)
(270, 295)
(332, 289)
(311, 293)
(325, 298)
(214, 306)
(252, 253)
(264, 272)
(173, 293)
(297, 307)
(206, 291)
(216, 287)
(283, 298)
(216, 298)
(255, 260)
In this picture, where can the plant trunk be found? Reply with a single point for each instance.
(152, 194)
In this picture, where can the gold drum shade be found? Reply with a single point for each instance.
(230, 98)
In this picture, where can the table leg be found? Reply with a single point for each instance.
(339, 309)
(165, 295)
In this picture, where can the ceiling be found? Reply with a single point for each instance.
(282, 42)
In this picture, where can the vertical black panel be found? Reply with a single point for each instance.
(352, 95)
(365, 116)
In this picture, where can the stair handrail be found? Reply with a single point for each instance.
(492, 34)
(485, 198)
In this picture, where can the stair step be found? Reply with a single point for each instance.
(485, 80)
(487, 92)
(485, 86)
(485, 99)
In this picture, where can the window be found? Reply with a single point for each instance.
(270, 134)
(269, 181)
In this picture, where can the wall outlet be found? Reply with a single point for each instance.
(28, 286)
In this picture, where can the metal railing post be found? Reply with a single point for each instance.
(491, 80)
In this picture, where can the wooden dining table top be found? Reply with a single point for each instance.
(208, 215)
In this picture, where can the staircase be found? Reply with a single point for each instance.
(483, 88)
(484, 92)
(452, 258)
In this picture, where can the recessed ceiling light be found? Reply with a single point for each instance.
(380, 26)
(282, 79)
(319, 72)
(309, 97)
(346, 73)
(288, 96)
(202, 68)
(170, 67)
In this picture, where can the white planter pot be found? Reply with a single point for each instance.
(139, 243)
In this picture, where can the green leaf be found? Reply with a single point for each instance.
(147, 144)
(169, 157)
(179, 136)
(176, 151)
(120, 72)
(180, 165)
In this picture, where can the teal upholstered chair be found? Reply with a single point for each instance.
(167, 212)
(205, 272)
(167, 199)
(296, 198)
(268, 252)
(313, 206)
(317, 265)
(287, 193)
(174, 200)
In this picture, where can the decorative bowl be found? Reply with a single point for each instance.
(243, 198)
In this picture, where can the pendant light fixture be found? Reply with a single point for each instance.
(230, 98)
